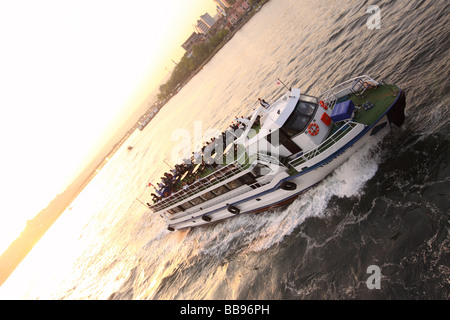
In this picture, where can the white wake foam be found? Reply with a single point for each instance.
(346, 181)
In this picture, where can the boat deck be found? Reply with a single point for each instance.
(384, 96)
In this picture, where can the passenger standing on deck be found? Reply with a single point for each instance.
(263, 103)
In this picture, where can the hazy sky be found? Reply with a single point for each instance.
(70, 71)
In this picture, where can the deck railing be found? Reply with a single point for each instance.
(335, 137)
(265, 158)
(350, 86)
(219, 175)
(261, 158)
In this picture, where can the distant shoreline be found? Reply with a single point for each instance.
(237, 27)
(39, 225)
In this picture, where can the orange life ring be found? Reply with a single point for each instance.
(313, 129)
(323, 105)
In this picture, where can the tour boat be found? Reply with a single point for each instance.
(285, 149)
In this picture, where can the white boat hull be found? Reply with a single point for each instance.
(272, 195)
(313, 137)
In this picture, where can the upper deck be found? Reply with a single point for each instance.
(246, 170)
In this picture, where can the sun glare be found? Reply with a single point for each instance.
(70, 73)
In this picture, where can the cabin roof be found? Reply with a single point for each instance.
(272, 118)
(281, 110)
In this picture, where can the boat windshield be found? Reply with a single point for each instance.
(300, 117)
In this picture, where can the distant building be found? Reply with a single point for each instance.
(205, 23)
(223, 3)
(201, 27)
(206, 18)
(221, 23)
(220, 11)
(191, 41)
(238, 10)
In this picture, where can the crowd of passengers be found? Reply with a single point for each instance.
(171, 181)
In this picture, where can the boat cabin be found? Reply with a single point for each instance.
(293, 124)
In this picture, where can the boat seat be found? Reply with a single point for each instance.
(343, 111)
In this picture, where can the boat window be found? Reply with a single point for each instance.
(274, 138)
(208, 196)
(307, 98)
(283, 137)
(175, 210)
(300, 117)
(248, 178)
(186, 205)
(221, 190)
(260, 170)
(235, 184)
(171, 211)
(196, 201)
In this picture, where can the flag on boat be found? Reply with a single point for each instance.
(278, 82)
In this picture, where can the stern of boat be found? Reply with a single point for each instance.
(396, 114)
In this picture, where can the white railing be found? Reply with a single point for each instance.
(201, 184)
(219, 175)
(268, 159)
(350, 86)
(338, 135)
(261, 158)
